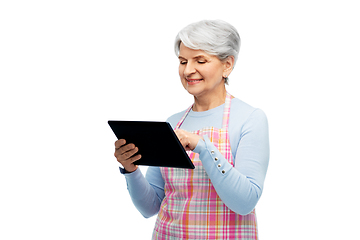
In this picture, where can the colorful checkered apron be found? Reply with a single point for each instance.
(191, 208)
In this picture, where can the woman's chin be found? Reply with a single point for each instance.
(194, 92)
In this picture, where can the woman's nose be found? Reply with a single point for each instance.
(189, 69)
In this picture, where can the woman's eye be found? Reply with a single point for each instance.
(201, 62)
(183, 62)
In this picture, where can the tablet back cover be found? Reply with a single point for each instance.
(157, 143)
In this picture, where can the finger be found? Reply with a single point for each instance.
(129, 160)
(187, 145)
(121, 150)
(129, 154)
(178, 132)
(183, 142)
(120, 143)
(134, 158)
(126, 148)
(183, 138)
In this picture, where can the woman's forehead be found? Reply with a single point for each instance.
(186, 53)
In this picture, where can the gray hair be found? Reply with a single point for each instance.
(215, 37)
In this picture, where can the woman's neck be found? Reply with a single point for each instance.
(207, 102)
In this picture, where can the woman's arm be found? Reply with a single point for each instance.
(146, 193)
(240, 187)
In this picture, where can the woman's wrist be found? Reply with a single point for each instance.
(200, 146)
(124, 171)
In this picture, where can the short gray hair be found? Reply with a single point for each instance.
(215, 37)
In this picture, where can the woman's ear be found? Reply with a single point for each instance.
(229, 65)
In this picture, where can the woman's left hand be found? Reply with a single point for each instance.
(188, 140)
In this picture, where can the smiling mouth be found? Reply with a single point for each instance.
(193, 81)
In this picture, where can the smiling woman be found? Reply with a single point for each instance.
(217, 199)
(203, 75)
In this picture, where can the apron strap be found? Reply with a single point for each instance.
(226, 115)
(183, 118)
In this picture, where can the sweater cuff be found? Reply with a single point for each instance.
(126, 173)
(123, 170)
(211, 158)
(200, 146)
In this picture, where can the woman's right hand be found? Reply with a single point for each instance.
(125, 155)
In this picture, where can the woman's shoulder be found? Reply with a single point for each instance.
(175, 118)
(243, 107)
(244, 111)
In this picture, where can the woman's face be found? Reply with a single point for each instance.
(201, 74)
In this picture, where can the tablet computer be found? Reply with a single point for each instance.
(156, 141)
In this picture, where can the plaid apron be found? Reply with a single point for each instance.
(191, 208)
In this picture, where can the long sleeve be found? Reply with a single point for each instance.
(240, 187)
(146, 193)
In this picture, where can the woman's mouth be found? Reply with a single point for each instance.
(193, 81)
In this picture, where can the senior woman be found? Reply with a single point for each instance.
(226, 139)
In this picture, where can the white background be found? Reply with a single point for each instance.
(66, 67)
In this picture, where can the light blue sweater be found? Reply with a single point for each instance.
(240, 187)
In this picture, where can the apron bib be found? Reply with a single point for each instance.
(191, 208)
